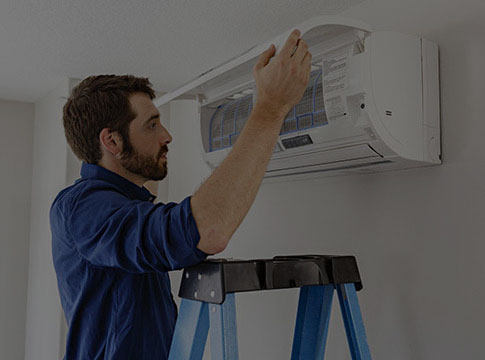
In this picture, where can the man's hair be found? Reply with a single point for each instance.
(96, 103)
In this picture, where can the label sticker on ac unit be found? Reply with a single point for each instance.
(335, 78)
(334, 84)
(336, 106)
(336, 62)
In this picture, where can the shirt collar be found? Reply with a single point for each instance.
(93, 171)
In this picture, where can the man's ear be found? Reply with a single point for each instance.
(111, 141)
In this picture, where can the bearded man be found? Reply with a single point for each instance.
(112, 245)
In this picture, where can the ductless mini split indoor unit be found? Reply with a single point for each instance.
(372, 103)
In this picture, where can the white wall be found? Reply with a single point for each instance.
(185, 167)
(17, 121)
(50, 172)
(417, 234)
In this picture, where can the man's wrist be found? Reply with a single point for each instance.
(270, 109)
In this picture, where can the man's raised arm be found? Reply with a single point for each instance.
(223, 200)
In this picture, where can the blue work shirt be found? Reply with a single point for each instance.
(112, 248)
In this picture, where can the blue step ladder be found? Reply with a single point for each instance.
(208, 301)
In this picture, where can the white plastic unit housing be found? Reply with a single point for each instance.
(372, 103)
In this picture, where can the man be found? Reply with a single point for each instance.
(112, 246)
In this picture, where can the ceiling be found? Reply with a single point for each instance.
(173, 41)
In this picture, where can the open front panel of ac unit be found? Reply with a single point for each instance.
(322, 34)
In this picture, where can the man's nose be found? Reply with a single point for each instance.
(166, 137)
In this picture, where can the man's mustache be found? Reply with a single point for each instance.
(163, 150)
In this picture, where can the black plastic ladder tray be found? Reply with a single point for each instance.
(211, 280)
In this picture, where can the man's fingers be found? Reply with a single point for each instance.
(264, 58)
(307, 59)
(290, 44)
(306, 66)
(301, 51)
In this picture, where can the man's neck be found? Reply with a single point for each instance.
(121, 171)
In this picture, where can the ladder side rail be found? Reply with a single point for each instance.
(223, 329)
(313, 317)
(354, 326)
(191, 329)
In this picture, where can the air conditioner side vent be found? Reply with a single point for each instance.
(345, 167)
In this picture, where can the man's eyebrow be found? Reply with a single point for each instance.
(156, 116)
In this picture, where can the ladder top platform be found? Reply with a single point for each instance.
(211, 280)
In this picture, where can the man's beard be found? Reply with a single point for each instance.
(143, 165)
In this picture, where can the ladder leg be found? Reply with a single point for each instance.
(223, 329)
(311, 328)
(354, 326)
(191, 331)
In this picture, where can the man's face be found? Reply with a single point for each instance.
(145, 151)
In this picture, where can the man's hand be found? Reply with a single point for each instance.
(281, 80)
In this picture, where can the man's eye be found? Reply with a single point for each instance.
(154, 125)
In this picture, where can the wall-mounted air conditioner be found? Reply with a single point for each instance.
(372, 103)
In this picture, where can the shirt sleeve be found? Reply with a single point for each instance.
(110, 230)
